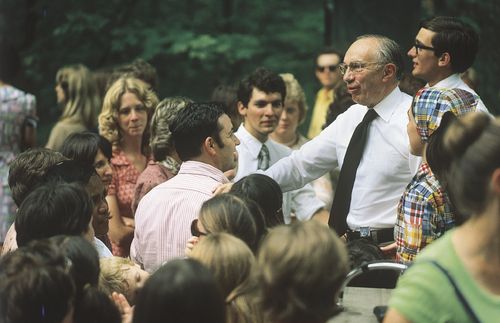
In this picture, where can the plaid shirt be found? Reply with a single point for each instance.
(424, 214)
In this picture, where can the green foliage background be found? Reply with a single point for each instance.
(197, 44)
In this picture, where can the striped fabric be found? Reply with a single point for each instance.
(424, 214)
(164, 215)
(430, 104)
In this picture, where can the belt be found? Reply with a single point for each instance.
(376, 235)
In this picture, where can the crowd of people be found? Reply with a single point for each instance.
(146, 210)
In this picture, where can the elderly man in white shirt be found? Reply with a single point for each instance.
(260, 102)
(444, 47)
(371, 69)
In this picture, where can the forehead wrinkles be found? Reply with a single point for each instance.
(363, 50)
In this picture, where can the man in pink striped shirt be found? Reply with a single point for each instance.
(204, 139)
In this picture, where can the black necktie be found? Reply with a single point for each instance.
(342, 200)
(263, 158)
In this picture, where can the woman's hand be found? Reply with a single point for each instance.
(190, 245)
(126, 311)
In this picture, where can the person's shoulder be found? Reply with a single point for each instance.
(279, 148)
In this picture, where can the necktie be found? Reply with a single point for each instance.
(342, 200)
(263, 158)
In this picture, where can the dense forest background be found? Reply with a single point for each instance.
(197, 44)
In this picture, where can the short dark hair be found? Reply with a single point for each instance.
(455, 37)
(182, 290)
(328, 51)
(28, 169)
(84, 146)
(53, 208)
(139, 69)
(35, 287)
(263, 80)
(193, 125)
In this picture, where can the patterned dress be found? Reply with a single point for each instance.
(17, 109)
(424, 214)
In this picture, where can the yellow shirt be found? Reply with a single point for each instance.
(323, 100)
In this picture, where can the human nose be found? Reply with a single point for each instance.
(348, 75)
(412, 52)
(236, 141)
(107, 169)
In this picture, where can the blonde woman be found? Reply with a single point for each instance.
(124, 121)
(286, 133)
(77, 94)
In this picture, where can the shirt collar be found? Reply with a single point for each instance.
(449, 82)
(386, 108)
(199, 168)
(252, 144)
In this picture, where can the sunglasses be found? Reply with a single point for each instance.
(330, 68)
(194, 229)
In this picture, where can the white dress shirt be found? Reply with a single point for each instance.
(302, 202)
(385, 168)
(454, 81)
(164, 215)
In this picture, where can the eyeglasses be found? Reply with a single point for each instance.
(355, 67)
(194, 229)
(420, 46)
(330, 68)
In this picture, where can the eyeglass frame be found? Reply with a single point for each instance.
(343, 67)
(330, 68)
(195, 232)
(420, 46)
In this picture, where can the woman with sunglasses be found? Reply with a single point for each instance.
(124, 121)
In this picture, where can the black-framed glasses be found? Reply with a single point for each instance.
(195, 232)
(330, 68)
(420, 46)
(355, 67)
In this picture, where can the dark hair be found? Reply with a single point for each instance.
(193, 125)
(328, 51)
(84, 146)
(226, 95)
(454, 37)
(182, 290)
(9, 61)
(230, 213)
(266, 193)
(343, 101)
(52, 209)
(473, 141)
(28, 169)
(139, 69)
(35, 286)
(263, 80)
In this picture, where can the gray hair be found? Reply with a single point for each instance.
(389, 52)
(161, 137)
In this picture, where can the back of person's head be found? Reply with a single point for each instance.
(229, 213)
(300, 269)
(228, 258)
(226, 95)
(433, 110)
(266, 193)
(84, 146)
(9, 61)
(388, 52)
(263, 80)
(35, 286)
(54, 208)
(295, 94)
(108, 119)
(122, 276)
(454, 37)
(410, 84)
(474, 144)
(161, 137)
(80, 94)
(193, 125)
(139, 69)
(28, 169)
(182, 290)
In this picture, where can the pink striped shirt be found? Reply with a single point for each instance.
(164, 215)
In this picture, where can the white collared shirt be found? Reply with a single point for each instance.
(454, 81)
(303, 202)
(385, 168)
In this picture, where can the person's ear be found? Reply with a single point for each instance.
(209, 145)
(389, 71)
(444, 60)
(242, 109)
(495, 182)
